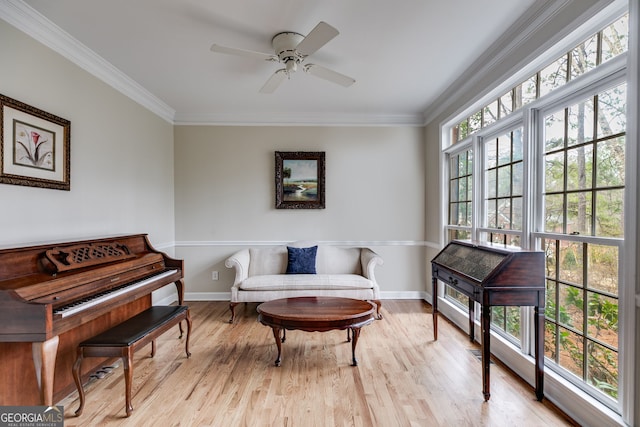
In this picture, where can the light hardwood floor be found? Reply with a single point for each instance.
(404, 378)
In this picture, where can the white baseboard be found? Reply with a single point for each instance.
(207, 296)
(226, 296)
(404, 295)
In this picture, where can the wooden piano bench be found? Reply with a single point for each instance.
(125, 338)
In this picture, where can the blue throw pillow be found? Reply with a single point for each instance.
(302, 260)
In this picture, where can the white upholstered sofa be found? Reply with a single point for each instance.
(261, 274)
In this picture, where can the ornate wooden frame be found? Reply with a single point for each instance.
(284, 197)
(20, 129)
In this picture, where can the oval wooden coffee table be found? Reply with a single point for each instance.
(316, 314)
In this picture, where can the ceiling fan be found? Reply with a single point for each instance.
(292, 49)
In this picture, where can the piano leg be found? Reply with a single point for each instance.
(44, 360)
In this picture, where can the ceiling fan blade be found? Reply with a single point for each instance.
(318, 37)
(330, 75)
(274, 81)
(242, 52)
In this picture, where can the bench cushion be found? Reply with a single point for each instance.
(279, 282)
(135, 328)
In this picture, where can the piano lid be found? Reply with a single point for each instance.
(35, 271)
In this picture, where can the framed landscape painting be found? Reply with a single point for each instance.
(34, 146)
(300, 180)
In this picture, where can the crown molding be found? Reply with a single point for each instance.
(535, 18)
(29, 21)
(26, 19)
(298, 119)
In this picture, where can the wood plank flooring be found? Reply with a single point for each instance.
(404, 378)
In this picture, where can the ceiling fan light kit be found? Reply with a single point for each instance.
(291, 49)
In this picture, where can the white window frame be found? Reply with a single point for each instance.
(568, 397)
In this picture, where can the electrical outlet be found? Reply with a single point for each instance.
(214, 275)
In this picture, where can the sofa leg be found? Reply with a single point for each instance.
(379, 305)
(232, 307)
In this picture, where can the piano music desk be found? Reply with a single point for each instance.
(125, 338)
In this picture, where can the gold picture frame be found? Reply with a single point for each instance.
(35, 146)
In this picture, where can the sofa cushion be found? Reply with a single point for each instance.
(269, 260)
(337, 260)
(279, 282)
(301, 260)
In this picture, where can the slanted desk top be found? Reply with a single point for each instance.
(493, 275)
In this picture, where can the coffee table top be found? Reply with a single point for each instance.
(316, 313)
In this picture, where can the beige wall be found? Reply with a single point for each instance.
(225, 186)
(121, 154)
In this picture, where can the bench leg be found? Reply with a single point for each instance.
(186, 346)
(76, 377)
(153, 348)
(128, 379)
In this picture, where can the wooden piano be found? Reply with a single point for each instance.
(53, 296)
(494, 275)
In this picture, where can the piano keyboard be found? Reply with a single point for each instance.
(98, 299)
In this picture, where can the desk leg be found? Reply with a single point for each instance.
(472, 324)
(276, 335)
(434, 307)
(539, 351)
(486, 350)
(355, 332)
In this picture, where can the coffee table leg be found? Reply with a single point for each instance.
(276, 335)
(355, 334)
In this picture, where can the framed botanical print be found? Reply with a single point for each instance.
(34, 146)
(300, 180)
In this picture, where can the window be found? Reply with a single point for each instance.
(460, 206)
(552, 177)
(503, 173)
(584, 175)
(460, 189)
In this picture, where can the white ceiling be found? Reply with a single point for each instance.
(403, 53)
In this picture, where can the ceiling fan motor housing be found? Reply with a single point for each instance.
(284, 44)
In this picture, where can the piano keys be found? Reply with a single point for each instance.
(494, 275)
(53, 296)
(106, 296)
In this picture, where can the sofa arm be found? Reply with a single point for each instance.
(369, 259)
(239, 261)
